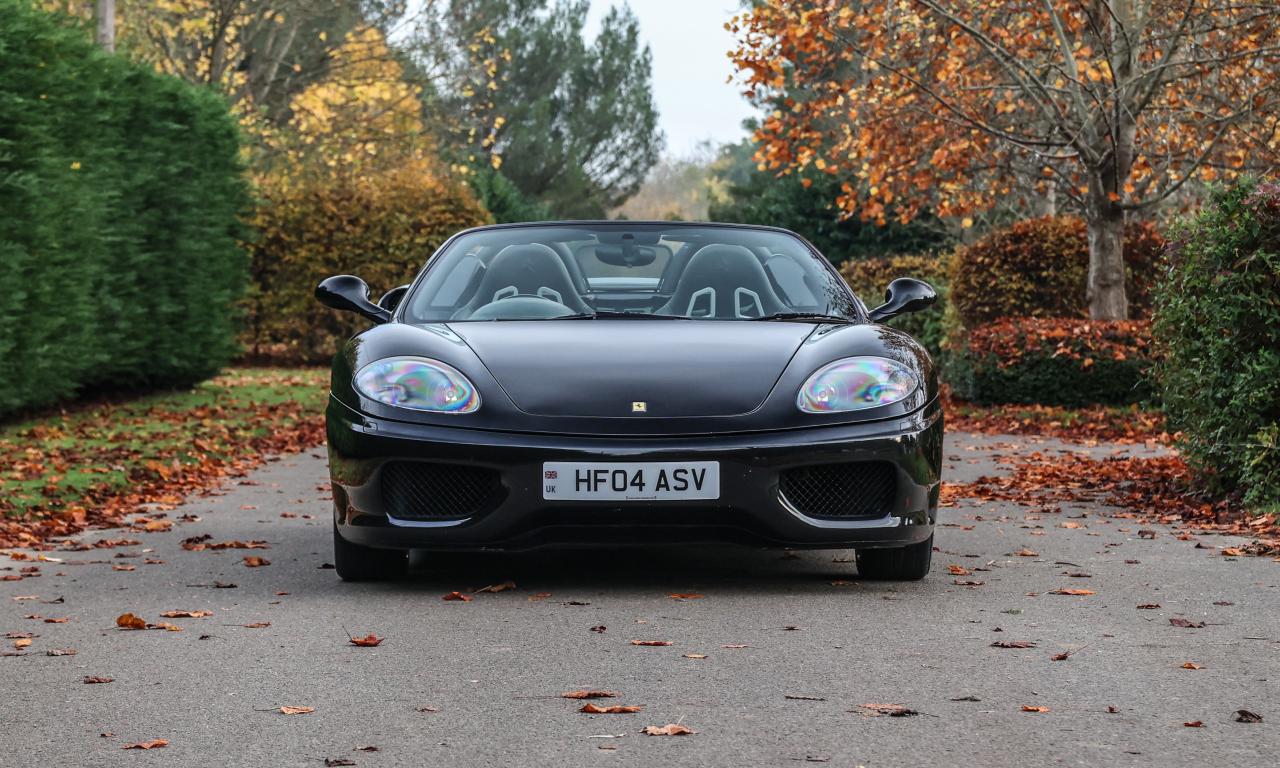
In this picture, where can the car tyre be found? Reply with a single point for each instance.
(909, 563)
(355, 562)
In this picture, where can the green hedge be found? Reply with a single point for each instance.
(120, 191)
(870, 277)
(1217, 324)
(1053, 361)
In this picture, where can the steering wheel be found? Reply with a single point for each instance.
(519, 307)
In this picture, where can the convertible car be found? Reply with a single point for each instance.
(585, 383)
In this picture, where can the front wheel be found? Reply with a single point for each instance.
(909, 563)
(355, 562)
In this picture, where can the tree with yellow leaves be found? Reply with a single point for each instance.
(1120, 104)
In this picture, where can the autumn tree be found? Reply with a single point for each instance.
(1121, 105)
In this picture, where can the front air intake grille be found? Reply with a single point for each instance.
(418, 490)
(853, 491)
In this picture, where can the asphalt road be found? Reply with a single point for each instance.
(477, 683)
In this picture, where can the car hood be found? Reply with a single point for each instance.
(605, 368)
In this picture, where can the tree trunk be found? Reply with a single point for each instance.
(106, 13)
(1106, 296)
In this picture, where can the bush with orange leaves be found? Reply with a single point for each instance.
(1054, 361)
(351, 186)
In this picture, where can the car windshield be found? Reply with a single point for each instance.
(626, 270)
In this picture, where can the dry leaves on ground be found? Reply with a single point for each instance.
(616, 709)
(589, 694)
(672, 729)
(153, 744)
(290, 709)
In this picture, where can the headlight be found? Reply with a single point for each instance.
(418, 384)
(854, 384)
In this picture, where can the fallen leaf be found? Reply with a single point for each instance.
(257, 625)
(56, 621)
(970, 697)
(124, 567)
(589, 694)
(651, 642)
(88, 680)
(956, 570)
(60, 652)
(428, 708)
(599, 629)
(1013, 644)
(539, 597)
(1148, 606)
(1191, 665)
(459, 596)
(1178, 621)
(289, 709)
(153, 744)
(616, 709)
(129, 621)
(800, 697)
(892, 710)
(1194, 724)
(1061, 656)
(736, 645)
(334, 762)
(1063, 591)
(1024, 552)
(695, 655)
(253, 561)
(503, 587)
(686, 596)
(186, 614)
(368, 749)
(22, 642)
(368, 641)
(1245, 716)
(673, 729)
(1030, 708)
(967, 583)
(1232, 552)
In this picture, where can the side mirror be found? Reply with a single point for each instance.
(906, 294)
(350, 294)
(392, 298)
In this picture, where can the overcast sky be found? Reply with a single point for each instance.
(690, 67)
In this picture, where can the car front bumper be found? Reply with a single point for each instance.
(751, 509)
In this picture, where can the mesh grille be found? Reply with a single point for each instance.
(415, 490)
(863, 489)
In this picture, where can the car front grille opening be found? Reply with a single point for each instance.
(849, 491)
(419, 490)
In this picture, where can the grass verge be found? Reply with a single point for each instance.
(93, 464)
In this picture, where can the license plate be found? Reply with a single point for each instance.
(631, 481)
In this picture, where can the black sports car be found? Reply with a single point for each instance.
(583, 382)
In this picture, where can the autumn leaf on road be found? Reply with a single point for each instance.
(616, 709)
(1065, 591)
(956, 570)
(253, 561)
(1178, 621)
(153, 744)
(1245, 716)
(503, 587)
(1191, 665)
(186, 614)
(589, 694)
(891, 710)
(673, 729)
(651, 642)
(1194, 724)
(129, 621)
(686, 596)
(1013, 644)
(296, 710)
(89, 680)
(1030, 708)
(458, 596)
(368, 641)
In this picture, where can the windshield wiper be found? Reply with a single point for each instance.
(606, 314)
(783, 316)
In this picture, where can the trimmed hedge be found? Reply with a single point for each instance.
(120, 190)
(381, 225)
(870, 277)
(1039, 268)
(1053, 361)
(1217, 325)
